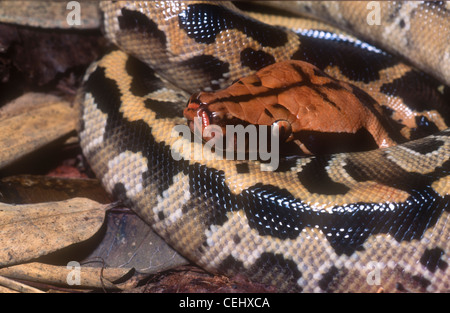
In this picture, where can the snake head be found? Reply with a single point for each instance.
(204, 113)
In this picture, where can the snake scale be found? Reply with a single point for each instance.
(354, 222)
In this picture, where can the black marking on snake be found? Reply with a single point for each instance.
(398, 178)
(315, 178)
(431, 259)
(424, 128)
(320, 143)
(256, 59)
(331, 85)
(322, 74)
(138, 22)
(161, 215)
(242, 168)
(394, 14)
(104, 90)
(422, 281)
(420, 92)
(286, 164)
(121, 193)
(306, 81)
(324, 49)
(203, 22)
(267, 112)
(387, 124)
(237, 81)
(430, 146)
(326, 282)
(258, 84)
(212, 67)
(163, 109)
(144, 80)
(267, 268)
(209, 182)
(400, 287)
(278, 106)
(388, 112)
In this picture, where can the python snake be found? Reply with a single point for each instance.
(343, 222)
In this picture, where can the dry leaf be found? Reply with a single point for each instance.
(27, 102)
(48, 14)
(30, 231)
(7, 290)
(89, 277)
(16, 286)
(26, 189)
(29, 131)
(131, 243)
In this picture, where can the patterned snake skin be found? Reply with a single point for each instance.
(330, 223)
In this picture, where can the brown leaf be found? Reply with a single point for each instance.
(24, 133)
(66, 276)
(26, 189)
(13, 285)
(30, 231)
(48, 14)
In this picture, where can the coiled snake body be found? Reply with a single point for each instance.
(343, 222)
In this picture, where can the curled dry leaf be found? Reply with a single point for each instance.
(30, 231)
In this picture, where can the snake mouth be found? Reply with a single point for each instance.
(197, 115)
(204, 116)
(199, 121)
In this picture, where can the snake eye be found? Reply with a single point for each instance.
(284, 129)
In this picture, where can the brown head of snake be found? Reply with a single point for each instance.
(310, 108)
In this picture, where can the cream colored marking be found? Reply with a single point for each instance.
(94, 119)
(415, 162)
(404, 14)
(336, 171)
(442, 186)
(174, 197)
(131, 178)
(168, 95)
